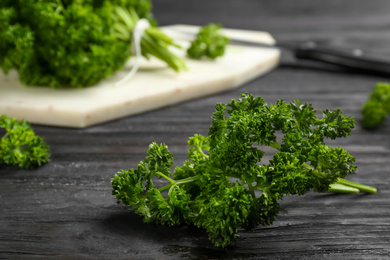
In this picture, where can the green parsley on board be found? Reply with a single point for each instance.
(20, 146)
(224, 185)
(73, 43)
(377, 107)
(209, 42)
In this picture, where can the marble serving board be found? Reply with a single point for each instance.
(153, 86)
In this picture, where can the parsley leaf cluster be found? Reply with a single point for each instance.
(377, 107)
(224, 185)
(209, 42)
(20, 146)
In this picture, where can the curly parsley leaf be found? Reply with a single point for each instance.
(209, 42)
(377, 107)
(20, 146)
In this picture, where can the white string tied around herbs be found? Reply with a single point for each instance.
(138, 32)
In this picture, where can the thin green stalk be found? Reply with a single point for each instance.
(175, 183)
(190, 179)
(252, 191)
(158, 51)
(165, 177)
(165, 187)
(205, 155)
(133, 14)
(157, 34)
(315, 171)
(148, 46)
(154, 42)
(161, 36)
(126, 17)
(123, 31)
(359, 186)
(339, 188)
(186, 180)
(151, 46)
(171, 189)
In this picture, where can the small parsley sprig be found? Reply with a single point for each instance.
(224, 185)
(377, 107)
(20, 146)
(209, 43)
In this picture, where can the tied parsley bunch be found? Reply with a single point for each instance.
(377, 107)
(75, 43)
(20, 146)
(224, 185)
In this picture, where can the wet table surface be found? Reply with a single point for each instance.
(64, 210)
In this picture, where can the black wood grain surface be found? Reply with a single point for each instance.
(64, 210)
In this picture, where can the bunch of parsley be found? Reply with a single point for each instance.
(20, 146)
(224, 185)
(62, 43)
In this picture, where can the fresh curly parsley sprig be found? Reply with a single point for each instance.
(20, 146)
(225, 185)
(209, 43)
(377, 107)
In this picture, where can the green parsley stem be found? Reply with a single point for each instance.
(252, 191)
(175, 183)
(154, 42)
(340, 188)
(362, 187)
(315, 171)
(166, 177)
(165, 187)
(200, 151)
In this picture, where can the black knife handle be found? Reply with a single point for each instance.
(355, 58)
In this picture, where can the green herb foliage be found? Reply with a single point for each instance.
(62, 43)
(20, 146)
(208, 43)
(224, 185)
(376, 109)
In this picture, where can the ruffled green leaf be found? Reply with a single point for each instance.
(20, 146)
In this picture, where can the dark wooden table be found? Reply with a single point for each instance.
(64, 210)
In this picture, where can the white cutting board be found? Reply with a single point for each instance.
(154, 85)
